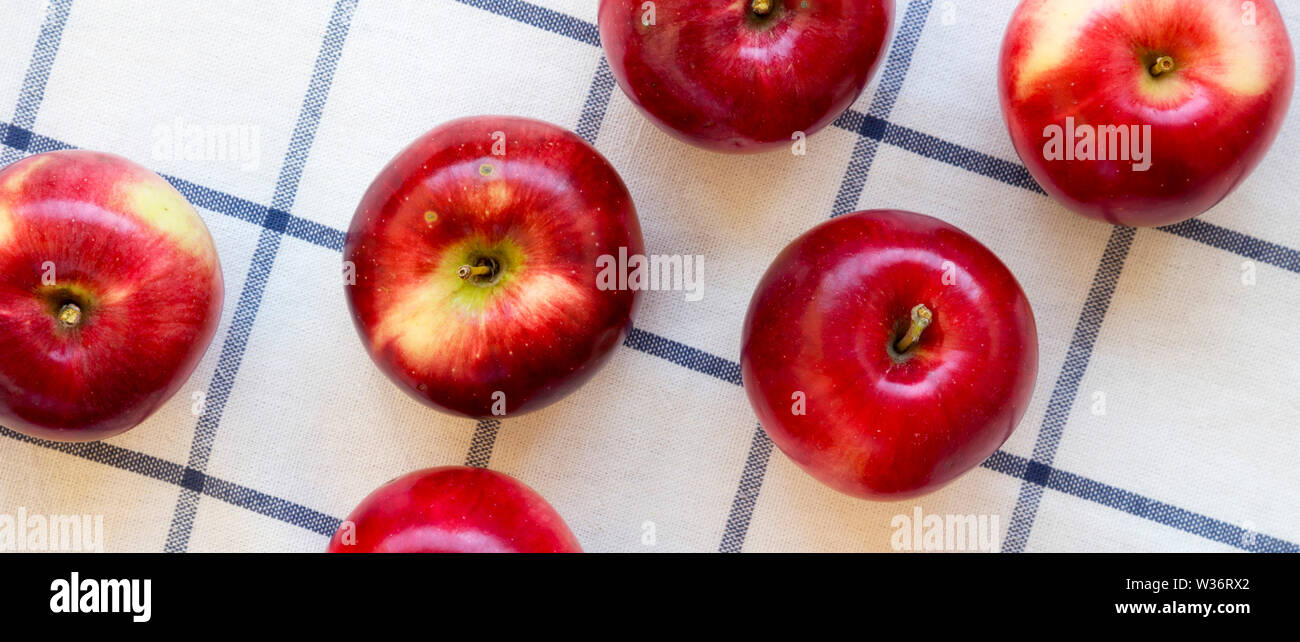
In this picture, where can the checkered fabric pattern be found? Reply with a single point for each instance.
(1166, 415)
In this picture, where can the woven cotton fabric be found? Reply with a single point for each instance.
(1166, 415)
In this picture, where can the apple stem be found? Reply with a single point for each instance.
(1163, 64)
(70, 315)
(761, 7)
(921, 317)
(467, 271)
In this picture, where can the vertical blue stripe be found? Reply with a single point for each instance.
(18, 135)
(891, 83)
(751, 481)
(593, 110)
(485, 437)
(1067, 387)
(268, 245)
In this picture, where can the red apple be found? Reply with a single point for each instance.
(454, 509)
(743, 75)
(1181, 99)
(110, 291)
(475, 258)
(888, 352)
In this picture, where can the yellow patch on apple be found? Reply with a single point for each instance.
(9, 191)
(1058, 23)
(6, 225)
(163, 208)
(444, 314)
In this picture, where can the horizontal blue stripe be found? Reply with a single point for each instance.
(1135, 504)
(162, 470)
(934, 148)
(1237, 243)
(540, 17)
(683, 355)
(204, 197)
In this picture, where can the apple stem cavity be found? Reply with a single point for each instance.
(1163, 64)
(921, 318)
(69, 315)
(761, 7)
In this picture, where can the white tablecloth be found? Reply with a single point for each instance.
(1166, 415)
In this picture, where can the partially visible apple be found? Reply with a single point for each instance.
(110, 292)
(475, 255)
(888, 352)
(454, 509)
(1186, 96)
(743, 75)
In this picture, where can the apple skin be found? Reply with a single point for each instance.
(544, 212)
(877, 424)
(115, 240)
(1213, 117)
(455, 509)
(713, 73)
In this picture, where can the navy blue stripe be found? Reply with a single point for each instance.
(751, 481)
(485, 437)
(540, 17)
(1119, 499)
(683, 355)
(1067, 385)
(268, 245)
(873, 128)
(1237, 243)
(38, 144)
(208, 198)
(172, 473)
(593, 110)
(270, 506)
(315, 233)
(900, 58)
(17, 138)
(223, 381)
(38, 72)
(110, 455)
(855, 176)
(891, 83)
(934, 148)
